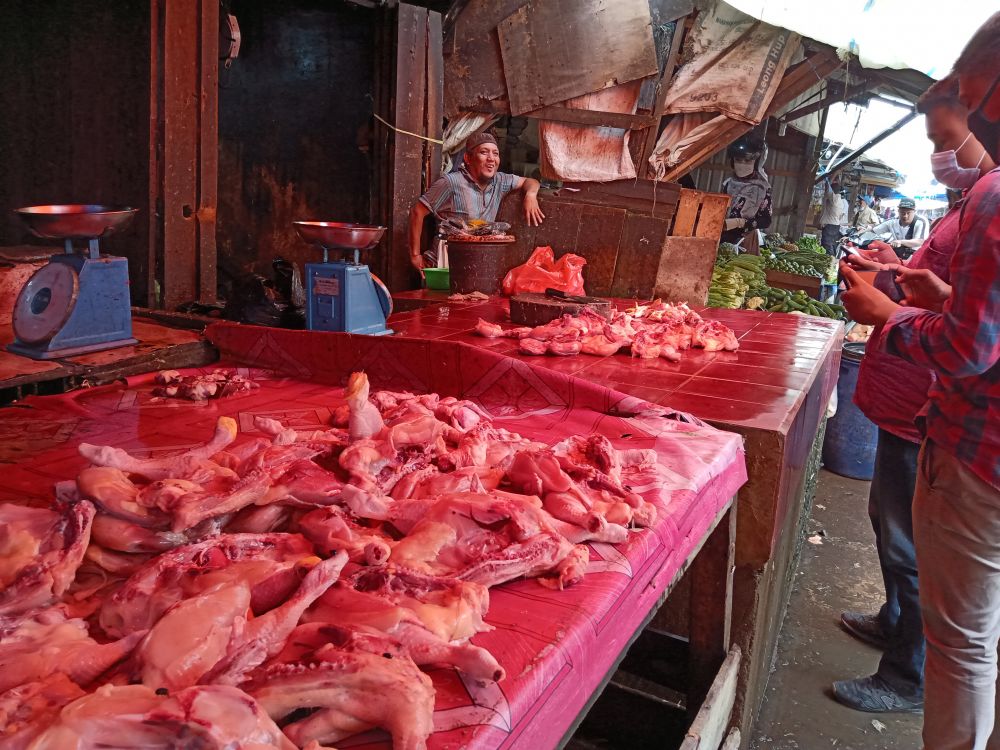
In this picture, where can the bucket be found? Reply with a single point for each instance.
(851, 438)
(477, 266)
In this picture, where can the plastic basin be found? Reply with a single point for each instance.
(438, 278)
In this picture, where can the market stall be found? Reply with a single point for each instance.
(557, 647)
(774, 391)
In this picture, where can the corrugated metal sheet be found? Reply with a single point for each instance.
(787, 188)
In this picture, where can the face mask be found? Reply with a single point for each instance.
(947, 171)
(987, 131)
(743, 168)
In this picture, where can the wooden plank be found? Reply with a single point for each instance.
(685, 269)
(732, 740)
(407, 151)
(598, 240)
(592, 117)
(473, 68)
(155, 218)
(208, 162)
(711, 605)
(554, 50)
(639, 256)
(642, 196)
(651, 135)
(434, 113)
(687, 212)
(181, 104)
(712, 218)
(811, 285)
(709, 726)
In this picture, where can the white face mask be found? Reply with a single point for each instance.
(743, 168)
(947, 171)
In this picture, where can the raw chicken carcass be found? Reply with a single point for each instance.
(533, 346)
(216, 384)
(48, 643)
(212, 717)
(27, 710)
(184, 465)
(213, 637)
(714, 336)
(332, 529)
(566, 345)
(40, 551)
(264, 561)
(365, 420)
(353, 691)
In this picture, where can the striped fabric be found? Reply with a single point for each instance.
(457, 195)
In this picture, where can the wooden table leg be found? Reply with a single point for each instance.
(710, 608)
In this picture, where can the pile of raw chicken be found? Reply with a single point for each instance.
(286, 591)
(654, 330)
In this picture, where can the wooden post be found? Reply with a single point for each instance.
(408, 113)
(187, 128)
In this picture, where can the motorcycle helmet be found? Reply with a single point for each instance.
(748, 148)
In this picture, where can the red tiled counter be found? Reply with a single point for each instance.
(773, 391)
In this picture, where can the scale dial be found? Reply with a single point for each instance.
(45, 303)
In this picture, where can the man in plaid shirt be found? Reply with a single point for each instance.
(955, 331)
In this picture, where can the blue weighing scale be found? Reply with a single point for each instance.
(344, 295)
(78, 302)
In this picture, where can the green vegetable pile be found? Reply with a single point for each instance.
(782, 300)
(810, 245)
(739, 281)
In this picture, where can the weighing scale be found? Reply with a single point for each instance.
(80, 301)
(344, 295)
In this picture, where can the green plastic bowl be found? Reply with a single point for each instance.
(438, 278)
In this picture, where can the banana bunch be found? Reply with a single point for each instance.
(782, 300)
(728, 289)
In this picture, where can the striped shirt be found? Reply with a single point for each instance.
(457, 195)
(961, 344)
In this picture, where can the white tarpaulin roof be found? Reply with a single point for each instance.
(919, 34)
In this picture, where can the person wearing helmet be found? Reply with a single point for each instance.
(864, 216)
(908, 230)
(749, 191)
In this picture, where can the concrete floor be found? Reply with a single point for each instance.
(839, 574)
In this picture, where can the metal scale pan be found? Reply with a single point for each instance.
(78, 303)
(344, 295)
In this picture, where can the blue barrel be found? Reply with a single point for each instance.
(851, 438)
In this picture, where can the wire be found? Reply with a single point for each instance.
(406, 132)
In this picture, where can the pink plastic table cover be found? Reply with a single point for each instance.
(556, 646)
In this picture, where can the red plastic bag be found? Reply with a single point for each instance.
(543, 271)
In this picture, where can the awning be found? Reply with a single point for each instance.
(926, 37)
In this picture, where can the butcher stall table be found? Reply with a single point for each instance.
(773, 391)
(559, 648)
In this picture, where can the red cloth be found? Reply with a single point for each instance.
(556, 646)
(962, 342)
(890, 391)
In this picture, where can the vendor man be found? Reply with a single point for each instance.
(473, 192)
(908, 230)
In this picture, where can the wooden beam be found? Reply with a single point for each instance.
(592, 117)
(181, 103)
(824, 102)
(434, 113)
(155, 218)
(208, 156)
(649, 138)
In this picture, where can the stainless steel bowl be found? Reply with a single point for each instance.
(335, 234)
(75, 220)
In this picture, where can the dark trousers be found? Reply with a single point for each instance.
(830, 238)
(890, 507)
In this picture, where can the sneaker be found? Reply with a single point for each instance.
(865, 628)
(876, 696)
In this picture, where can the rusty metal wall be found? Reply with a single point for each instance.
(787, 187)
(295, 129)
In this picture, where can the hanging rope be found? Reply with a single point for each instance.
(406, 132)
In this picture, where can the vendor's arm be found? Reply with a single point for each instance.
(885, 226)
(917, 241)
(418, 213)
(532, 212)
(962, 339)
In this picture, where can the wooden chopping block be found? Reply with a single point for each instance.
(537, 309)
